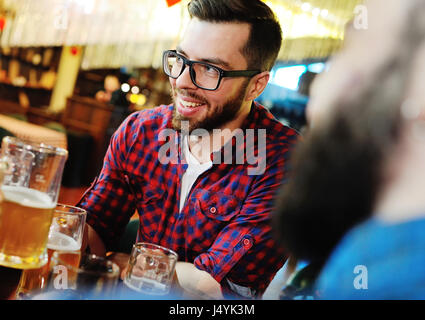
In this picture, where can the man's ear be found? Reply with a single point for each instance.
(257, 85)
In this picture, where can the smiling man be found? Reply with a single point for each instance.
(214, 214)
(211, 109)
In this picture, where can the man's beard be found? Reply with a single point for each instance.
(222, 114)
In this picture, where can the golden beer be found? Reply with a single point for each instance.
(25, 218)
(36, 279)
(69, 260)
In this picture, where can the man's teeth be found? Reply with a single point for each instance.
(190, 104)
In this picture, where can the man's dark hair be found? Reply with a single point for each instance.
(265, 38)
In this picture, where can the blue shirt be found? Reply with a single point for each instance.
(377, 261)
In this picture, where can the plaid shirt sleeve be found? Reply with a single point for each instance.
(244, 252)
(109, 202)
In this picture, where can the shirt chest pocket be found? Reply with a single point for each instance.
(217, 206)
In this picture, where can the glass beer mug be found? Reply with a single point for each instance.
(32, 175)
(65, 235)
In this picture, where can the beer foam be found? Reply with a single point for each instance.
(27, 197)
(61, 242)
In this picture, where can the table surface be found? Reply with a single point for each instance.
(33, 133)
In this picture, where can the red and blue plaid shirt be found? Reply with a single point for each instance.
(224, 227)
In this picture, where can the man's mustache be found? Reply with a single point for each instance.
(189, 94)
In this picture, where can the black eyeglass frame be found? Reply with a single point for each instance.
(222, 73)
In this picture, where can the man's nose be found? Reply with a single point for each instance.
(184, 81)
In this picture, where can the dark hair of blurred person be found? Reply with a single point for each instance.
(340, 171)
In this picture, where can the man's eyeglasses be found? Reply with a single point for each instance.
(203, 75)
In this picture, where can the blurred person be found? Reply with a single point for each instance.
(358, 176)
(111, 84)
(215, 215)
(113, 95)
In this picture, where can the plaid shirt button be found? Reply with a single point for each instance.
(213, 210)
(246, 243)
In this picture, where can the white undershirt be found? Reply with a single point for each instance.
(193, 171)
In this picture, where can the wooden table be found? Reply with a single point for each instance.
(33, 133)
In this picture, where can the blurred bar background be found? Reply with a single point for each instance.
(56, 54)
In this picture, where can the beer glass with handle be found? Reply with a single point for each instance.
(65, 235)
(30, 191)
(150, 269)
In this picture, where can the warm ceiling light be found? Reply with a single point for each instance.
(125, 87)
(316, 12)
(135, 90)
(306, 6)
(324, 13)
